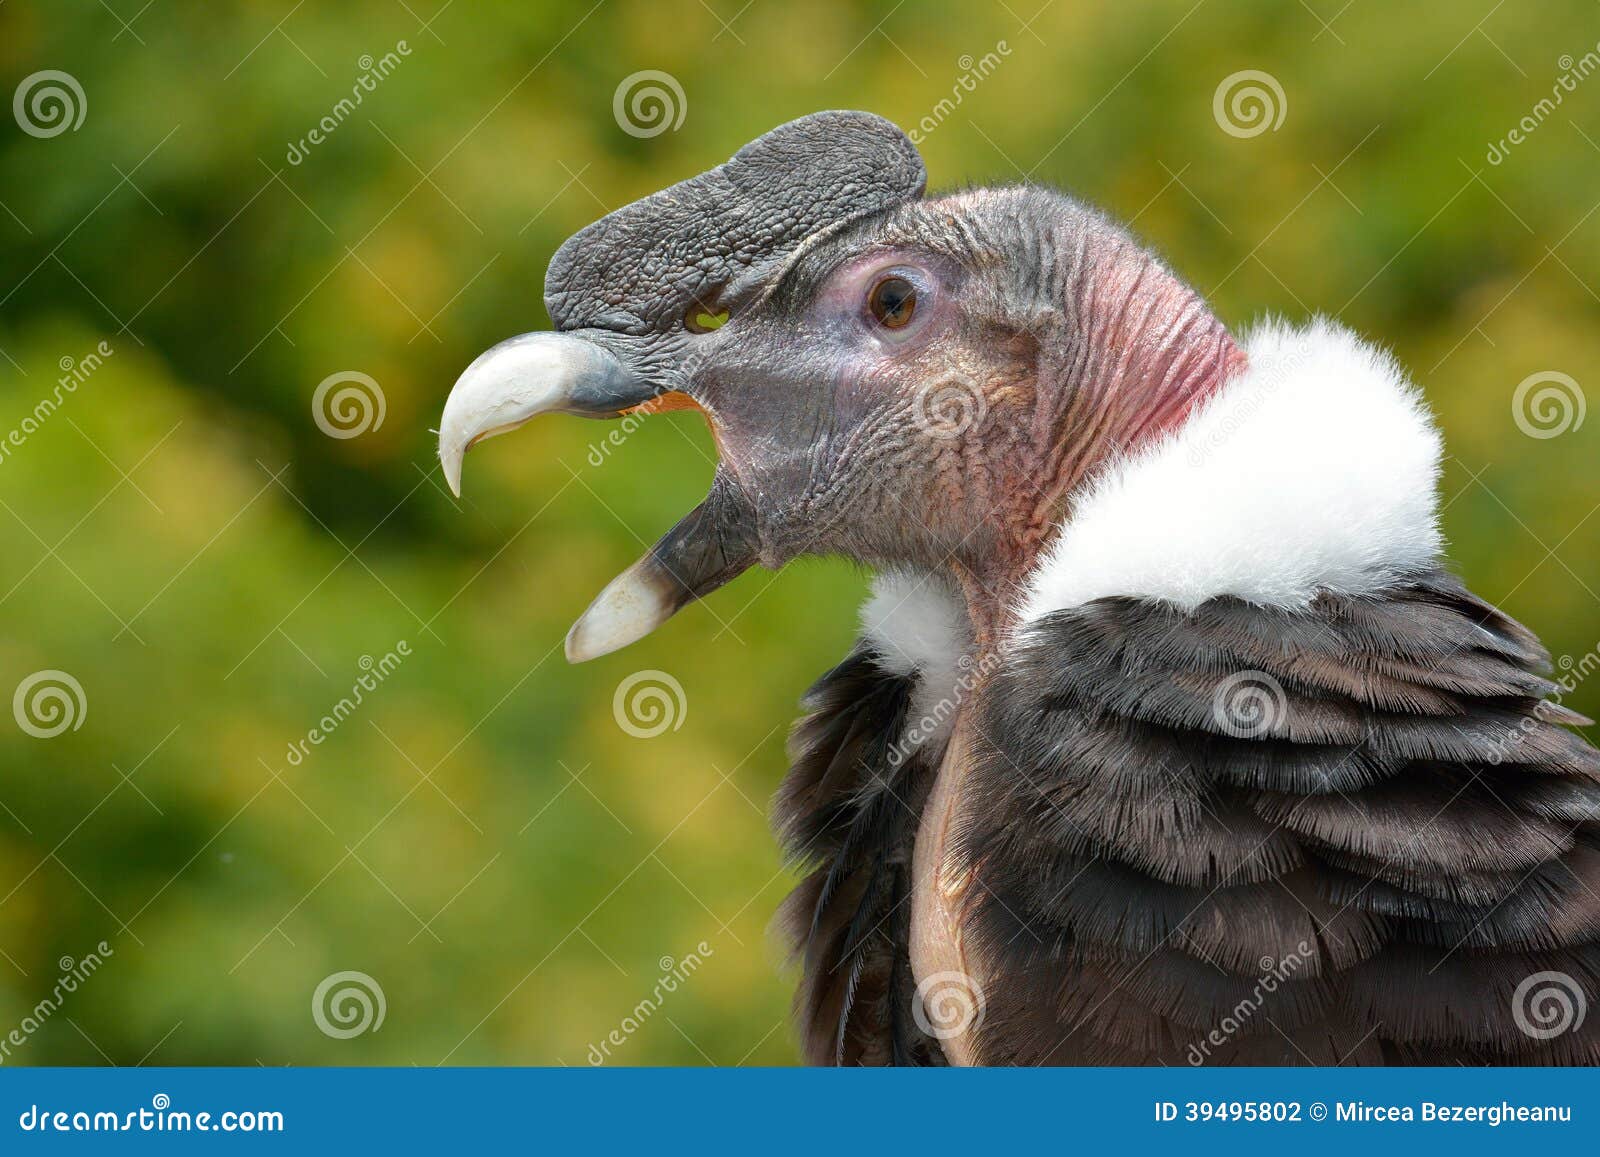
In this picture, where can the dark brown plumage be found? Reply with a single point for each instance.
(849, 812)
(1415, 828)
(1417, 834)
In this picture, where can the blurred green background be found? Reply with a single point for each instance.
(479, 836)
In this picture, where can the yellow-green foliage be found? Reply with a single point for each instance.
(480, 836)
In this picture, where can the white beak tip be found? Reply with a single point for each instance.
(450, 463)
(577, 648)
(631, 606)
(589, 640)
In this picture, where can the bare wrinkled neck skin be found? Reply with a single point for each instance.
(1143, 351)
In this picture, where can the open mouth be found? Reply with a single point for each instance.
(626, 290)
(539, 373)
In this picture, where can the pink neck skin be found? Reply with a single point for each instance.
(1150, 353)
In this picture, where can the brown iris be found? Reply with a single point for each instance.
(892, 301)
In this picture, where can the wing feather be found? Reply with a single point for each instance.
(847, 814)
(1405, 833)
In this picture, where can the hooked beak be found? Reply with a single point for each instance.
(525, 376)
(538, 373)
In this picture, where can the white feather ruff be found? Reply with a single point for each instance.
(917, 625)
(1313, 470)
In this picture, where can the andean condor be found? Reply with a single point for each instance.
(1169, 738)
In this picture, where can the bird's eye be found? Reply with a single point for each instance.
(704, 319)
(892, 301)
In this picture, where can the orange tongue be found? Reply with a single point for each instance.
(665, 403)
